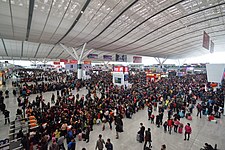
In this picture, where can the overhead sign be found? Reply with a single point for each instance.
(93, 56)
(137, 59)
(73, 61)
(87, 62)
(215, 72)
(56, 63)
(121, 58)
(107, 57)
(211, 47)
(120, 69)
(86, 67)
(64, 60)
(205, 40)
(125, 69)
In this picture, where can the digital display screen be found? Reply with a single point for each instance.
(79, 66)
(117, 80)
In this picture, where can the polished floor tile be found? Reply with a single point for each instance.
(203, 130)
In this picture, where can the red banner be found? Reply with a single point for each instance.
(56, 63)
(87, 62)
(120, 69)
(73, 61)
(205, 40)
(64, 60)
(125, 69)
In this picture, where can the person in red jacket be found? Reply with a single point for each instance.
(170, 125)
(187, 131)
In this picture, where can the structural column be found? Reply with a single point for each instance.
(79, 58)
(160, 62)
(79, 70)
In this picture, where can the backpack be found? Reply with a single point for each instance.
(109, 146)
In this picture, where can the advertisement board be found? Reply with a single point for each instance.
(107, 57)
(205, 43)
(215, 72)
(121, 58)
(56, 63)
(92, 56)
(87, 62)
(120, 69)
(73, 61)
(64, 60)
(137, 59)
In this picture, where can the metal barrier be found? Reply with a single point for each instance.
(15, 127)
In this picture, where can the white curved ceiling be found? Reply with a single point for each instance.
(157, 28)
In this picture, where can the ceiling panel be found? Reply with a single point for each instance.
(143, 27)
(5, 23)
(44, 50)
(29, 49)
(20, 18)
(13, 47)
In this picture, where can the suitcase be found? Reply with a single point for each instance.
(189, 117)
(180, 130)
(138, 138)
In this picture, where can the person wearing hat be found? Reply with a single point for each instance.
(148, 138)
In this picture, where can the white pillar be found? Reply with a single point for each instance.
(79, 58)
(79, 65)
(79, 70)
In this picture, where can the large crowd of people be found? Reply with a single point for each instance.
(69, 116)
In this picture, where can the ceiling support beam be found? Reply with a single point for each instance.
(135, 1)
(75, 53)
(50, 51)
(181, 63)
(75, 21)
(106, 64)
(177, 19)
(82, 52)
(68, 51)
(37, 50)
(161, 62)
(60, 54)
(34, 62)
(4, 47)
(30, 15)
(10, 8)
(87, 53)
(44, 61)
(172, 5)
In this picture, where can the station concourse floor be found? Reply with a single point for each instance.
(202, 130)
